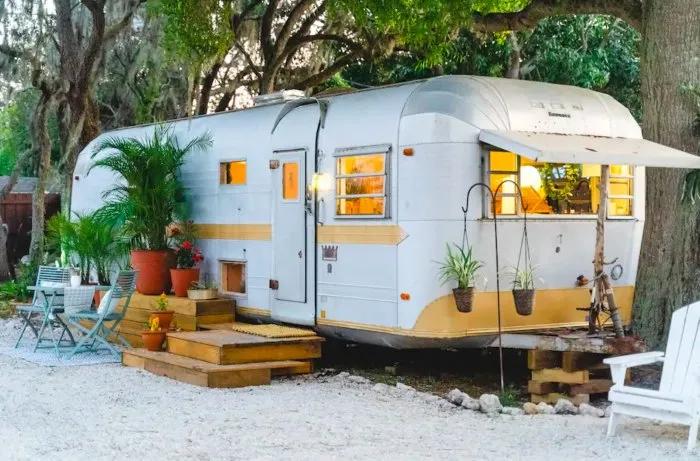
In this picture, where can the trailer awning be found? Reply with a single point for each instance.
(562, 148)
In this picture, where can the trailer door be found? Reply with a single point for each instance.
(289, 235)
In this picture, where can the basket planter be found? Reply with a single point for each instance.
(524, 301)
(153, 270)
(464, 298)
(183, 280)
(165, 318)
(153, 340)
(200, 294)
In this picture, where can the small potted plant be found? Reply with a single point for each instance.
(162, 314)
(153, 336)
(200, 291)
(524, 289)
(460, 266)
(187, 257)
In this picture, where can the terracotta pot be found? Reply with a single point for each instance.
(153, 340)
(153, 268)
(182, 280)
(464, 297)
(524, 301)
(165, 318)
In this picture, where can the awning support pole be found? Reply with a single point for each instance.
(602, 288)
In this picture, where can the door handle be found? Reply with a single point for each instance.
(300, 254)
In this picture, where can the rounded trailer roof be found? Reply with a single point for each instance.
(488, 103)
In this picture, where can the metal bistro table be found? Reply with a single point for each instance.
(52, 312)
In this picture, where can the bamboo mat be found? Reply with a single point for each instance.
(272, 330)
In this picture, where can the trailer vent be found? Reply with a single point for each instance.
(278, 97)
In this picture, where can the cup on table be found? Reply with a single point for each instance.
(75, 280)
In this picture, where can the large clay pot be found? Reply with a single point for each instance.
(182, 280)
(153, 268)
(153, 340)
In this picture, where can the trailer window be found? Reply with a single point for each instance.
(233, 172)
(360, 185)
(557, 188)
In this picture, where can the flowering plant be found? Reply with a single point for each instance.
(162, 302)
(187, 255)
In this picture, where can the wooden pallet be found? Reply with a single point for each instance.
(205, 374)
(224, 347)
(571, 375)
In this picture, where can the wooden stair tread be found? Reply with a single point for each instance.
(185, 306)
(231, 339)
(200, 365)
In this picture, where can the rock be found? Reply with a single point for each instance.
(405, 388)
(608, 411)
(545, 409)
(381, 388)
(530, 408)
(470, 403)
(589, 410)
(455, 396)
(342, 375)
(429, 398)
(565, 407)
(489, 403)
(512, 411)
(358, 379)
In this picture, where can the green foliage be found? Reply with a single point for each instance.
(559, 179)
(510, 397)
(152, 197)
(523, 278)
(197, 30)
(459, 266)
(88, 242)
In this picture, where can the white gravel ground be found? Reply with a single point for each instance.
(112, 412)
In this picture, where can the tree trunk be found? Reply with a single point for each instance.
(514, 57)
(669, 263)
(43, 143)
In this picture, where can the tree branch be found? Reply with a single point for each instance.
(629, 10)
(326, 73)
(266, 44)
(294, 16)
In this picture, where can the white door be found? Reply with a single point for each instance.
(290, 243)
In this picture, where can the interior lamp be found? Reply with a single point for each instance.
(530, 177)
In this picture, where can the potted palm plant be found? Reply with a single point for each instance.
(149, 200)
(524, 289)
(460, 266)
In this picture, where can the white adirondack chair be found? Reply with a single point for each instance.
(677, 399)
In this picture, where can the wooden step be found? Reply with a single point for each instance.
(185, 306)
(205, 374)
(229, 347)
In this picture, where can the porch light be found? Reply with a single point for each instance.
(530, 177)
(321, 182)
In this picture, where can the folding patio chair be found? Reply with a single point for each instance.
(46, 307)
(96, 336)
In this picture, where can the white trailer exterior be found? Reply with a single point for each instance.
(373, 278)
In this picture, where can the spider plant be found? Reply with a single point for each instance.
(523, 278)
(459, 266)
(152, 196)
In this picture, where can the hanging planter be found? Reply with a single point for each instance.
(524, 300)
(464, 298)
(524, 277)
(460, 266)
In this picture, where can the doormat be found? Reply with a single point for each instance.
(272, 330)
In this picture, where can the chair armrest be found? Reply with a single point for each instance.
(619, 365)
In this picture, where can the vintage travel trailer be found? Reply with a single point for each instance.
(334, 212)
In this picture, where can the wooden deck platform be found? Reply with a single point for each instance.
(205, 374)
(189, 314)
(225, 347)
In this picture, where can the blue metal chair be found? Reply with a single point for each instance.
(94, 325)
(47, 307)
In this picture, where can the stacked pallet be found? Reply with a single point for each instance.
(570, 375)
(226, 358)
(189, 314)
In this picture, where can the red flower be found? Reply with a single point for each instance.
(186, 245)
